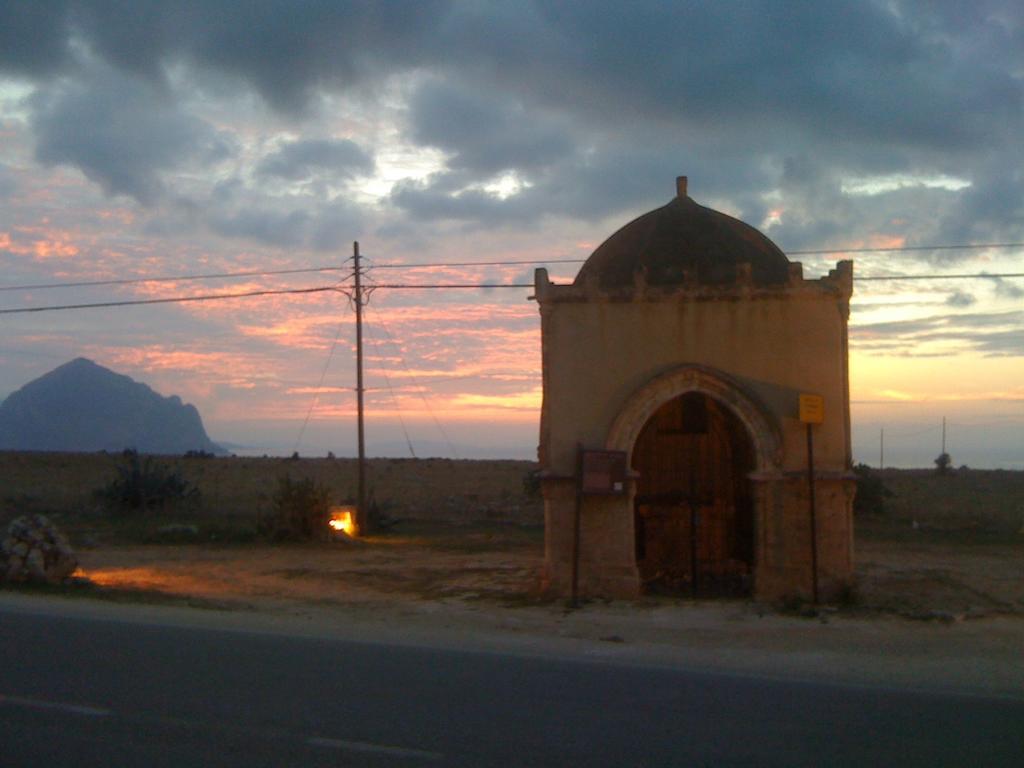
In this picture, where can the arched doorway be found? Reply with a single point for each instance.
(693, 507)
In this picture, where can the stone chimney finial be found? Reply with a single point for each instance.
(680, 186)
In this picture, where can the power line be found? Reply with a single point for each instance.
(495, 263)
(170, 300)
(857, 278)
(431, 286)
(424, 286)
(905, 248)
(815, 252)
(394, 399)
(512, 263)
(319, 386)
(976, 276)
(169, 278)
(421, 389)
(451, 285)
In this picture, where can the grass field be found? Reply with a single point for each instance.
(241, 489)
(978, 500)
(237, 492)
(944, 545)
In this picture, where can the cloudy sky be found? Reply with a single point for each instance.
(157, 139)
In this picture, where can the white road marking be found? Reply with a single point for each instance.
(316, 741)
(365, 746)
(60, 706)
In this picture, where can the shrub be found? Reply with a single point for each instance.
(871, 492)
(145, 484)
(531, 484)
(943, 463)
(299, 510)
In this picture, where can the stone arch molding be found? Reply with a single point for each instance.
(643, 403)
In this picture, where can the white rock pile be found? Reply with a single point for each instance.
(34, 550)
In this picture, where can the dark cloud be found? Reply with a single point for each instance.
(286, 223)
(770, 106)
(838, 70)
(432, 200)
(994, 334)
(235, 209)
(917, 72)
(586, 185)
(266, 225)
(992, 208)
(298, 160)
(1006, 343)
(285, 49)
(960, 299)
(120, 133)
(7, 183)
(821, 212)
(751, 98)
(33, 37)
(927, 324)
(484, 133)
(1005, 289)
(335, 225)
(995, 343)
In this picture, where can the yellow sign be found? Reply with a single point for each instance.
(812, 409)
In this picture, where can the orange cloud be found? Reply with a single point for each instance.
(318, 390)
(529, 400)
(39, 244)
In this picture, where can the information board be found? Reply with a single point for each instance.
(812, 409)
(603, 472)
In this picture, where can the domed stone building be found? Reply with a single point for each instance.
(688, 372)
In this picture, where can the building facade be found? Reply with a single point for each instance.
(685, 344)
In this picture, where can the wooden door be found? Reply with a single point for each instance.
(693, 513)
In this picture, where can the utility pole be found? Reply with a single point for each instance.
(362, 520)
(943, 434)
(881, 449)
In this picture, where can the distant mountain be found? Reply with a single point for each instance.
(82, 406)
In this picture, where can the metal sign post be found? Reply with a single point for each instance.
(575, 599)
(812, 411)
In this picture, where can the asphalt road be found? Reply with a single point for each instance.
(91, 692)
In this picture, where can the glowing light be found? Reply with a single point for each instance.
(342, 520)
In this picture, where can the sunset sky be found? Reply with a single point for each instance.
(157, 139)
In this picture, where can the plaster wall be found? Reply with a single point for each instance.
(596, 355)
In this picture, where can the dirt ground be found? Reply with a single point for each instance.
(928, 577)
(428, 562)
(930, 612)
(950, 576)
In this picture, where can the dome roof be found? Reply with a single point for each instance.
(685, 237)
